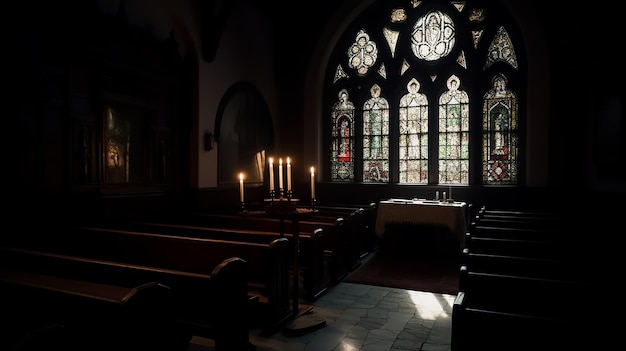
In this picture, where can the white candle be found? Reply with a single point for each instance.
(280, 174)
(312, 182)
(288, 174)
(241, 187)
(271, 174)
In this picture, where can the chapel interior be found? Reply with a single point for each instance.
(123, 110)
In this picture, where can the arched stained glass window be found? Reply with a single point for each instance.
(413, 116)
(420, 75)
(376, 138)
(454, 135)
(343, 139)
(499, 134)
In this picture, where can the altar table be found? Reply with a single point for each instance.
(417, 211)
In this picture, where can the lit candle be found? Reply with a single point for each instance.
(280, 174)
(312, 182)
(288, 174)
(241, 187)
(271, 174)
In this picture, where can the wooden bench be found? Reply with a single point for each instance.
(267, 269)
(254, 230)
(485, 211)
(509, 231)
(339, 249)
(522, 265)
(544, 297)
(122, 317)
(516, 247)
(475, 328)
(519, 222)
(366, 241)
(209, 305)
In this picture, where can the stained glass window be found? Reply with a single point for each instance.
(454, 135)
(362, 53)
(376, 138)
(499, 142)
(413, 116)
(417, 84)
(342, 162)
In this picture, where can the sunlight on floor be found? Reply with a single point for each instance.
(428, 305)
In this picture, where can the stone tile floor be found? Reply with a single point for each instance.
(365, 318)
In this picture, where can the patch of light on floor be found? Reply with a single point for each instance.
(346, 346)
(429, 305)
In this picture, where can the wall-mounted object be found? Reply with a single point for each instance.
(208, 141)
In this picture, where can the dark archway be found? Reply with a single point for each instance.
(244, 133)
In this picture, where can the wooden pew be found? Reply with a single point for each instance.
(120, 317)
(336, 244)
(254, 229)
(545, 297)
(519, 222)
(475, 328)
(515, 247)
(366, 239)
(210, 305)
(267, 269)
(506, 307)
(487, 212)
(522, 265)
(510, 231)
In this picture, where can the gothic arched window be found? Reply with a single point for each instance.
(426, 92)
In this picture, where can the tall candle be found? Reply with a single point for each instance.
(241, 187)
(288, 174)
(312, 182)
(271, 174)
(280, 174)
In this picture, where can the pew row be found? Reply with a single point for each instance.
(521, 294)
(338, 242)
(130, 305)
(503, 311)
(550, 224)
(476, 328)
(485, 211)
(266, 271)
(311, 252)
(522, 265)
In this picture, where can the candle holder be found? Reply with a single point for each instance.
(272, 194)
(313, 201)
(243, 207)
(289, 194)
(281, 193)
(282, 206)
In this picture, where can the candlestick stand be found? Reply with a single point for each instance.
(286, 209)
